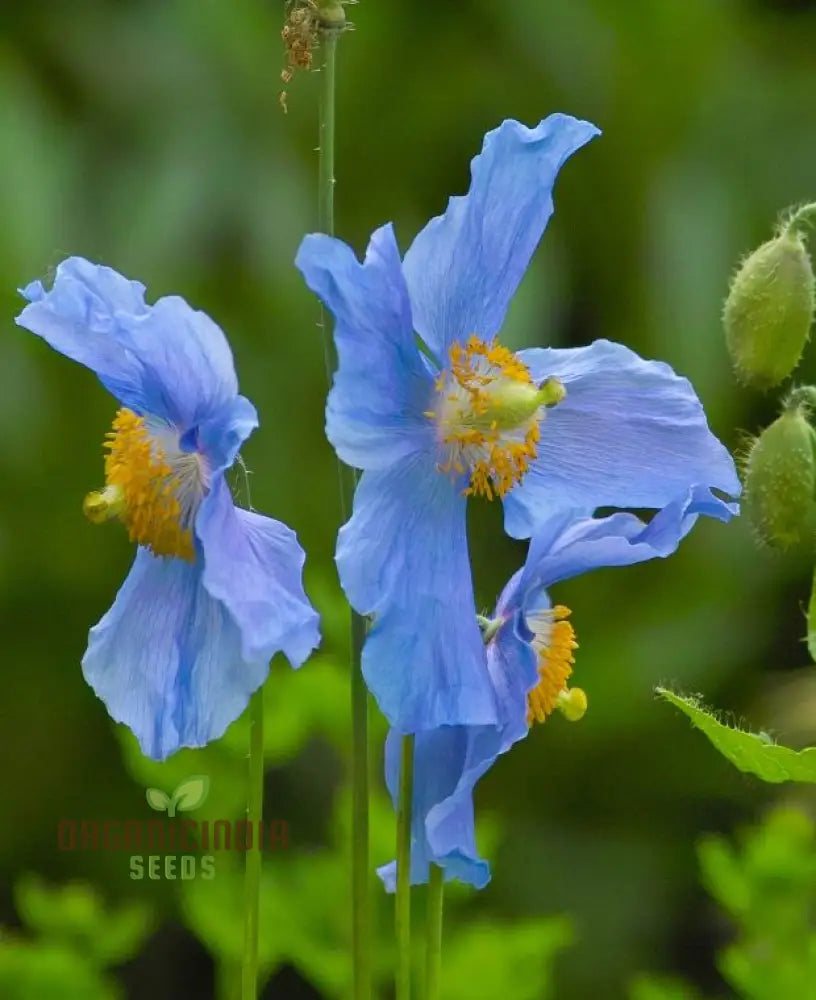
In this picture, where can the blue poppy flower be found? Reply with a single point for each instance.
(214, 590)
(433, 408)
(529, 644)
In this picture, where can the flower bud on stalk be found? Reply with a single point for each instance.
(769, 309)
(780, 477)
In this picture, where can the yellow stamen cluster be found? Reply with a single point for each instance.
(488, 416)
(555, 662)
(137, 470)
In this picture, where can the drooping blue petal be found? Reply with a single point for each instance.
(464, 267)
(375, 412)
(449, 761)
(630, 433)
(167, 359)
(77, 317)
(569, 543)
(441, 773)
(253, 565)
(166, 658)
(619, 540)
(403, 557)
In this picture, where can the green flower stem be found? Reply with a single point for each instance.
(402, 903)
(252, 872)
(361, 907)
(433, 932)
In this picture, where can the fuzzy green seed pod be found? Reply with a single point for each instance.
(769, 310)
(780, 481)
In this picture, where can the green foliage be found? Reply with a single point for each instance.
(50, 972)
(766, 884)
(74, 938)
(305, 906)
(754, 753)
(509, 961)
(768, 888)
(652, 988)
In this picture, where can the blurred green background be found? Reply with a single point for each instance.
(149, 136)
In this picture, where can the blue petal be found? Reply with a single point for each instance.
(445, 772)
(78, 318)
(166, 658)
(449, 761)
(618, 540)
(167, 359)
(186, 361)
(464, 267)
(375, 412)
(403, 557)
(630, 433)
(221, 436)
(253, 565)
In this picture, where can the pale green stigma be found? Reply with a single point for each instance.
(105, 504)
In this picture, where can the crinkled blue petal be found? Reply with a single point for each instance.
(443, 776)
(253, 566)
(403, 557)
(449, 761)
(568, 544)
(77, 317)
(630, 433)
(464, 267)
(167, 658)
(375, 411)
(167, 359)
(186, 361)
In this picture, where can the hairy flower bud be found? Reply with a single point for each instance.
(780, 479)
(769, 310)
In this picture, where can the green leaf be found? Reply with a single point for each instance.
(647, 988)
(191, 793)
(50, 971)
(75, 915)
(752, 753)
(811, 621)
(514, 959)
(157, 800)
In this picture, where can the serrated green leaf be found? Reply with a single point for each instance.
(157, 799)
(750, 752)
(191, 793)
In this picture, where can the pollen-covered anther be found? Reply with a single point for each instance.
(554, 641)
(154, 494)
(487, 413)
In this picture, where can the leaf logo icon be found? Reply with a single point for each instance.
(190, 794)
(157, 800)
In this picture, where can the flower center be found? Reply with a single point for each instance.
(488, 411)
(151, 485)
(554, 642)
